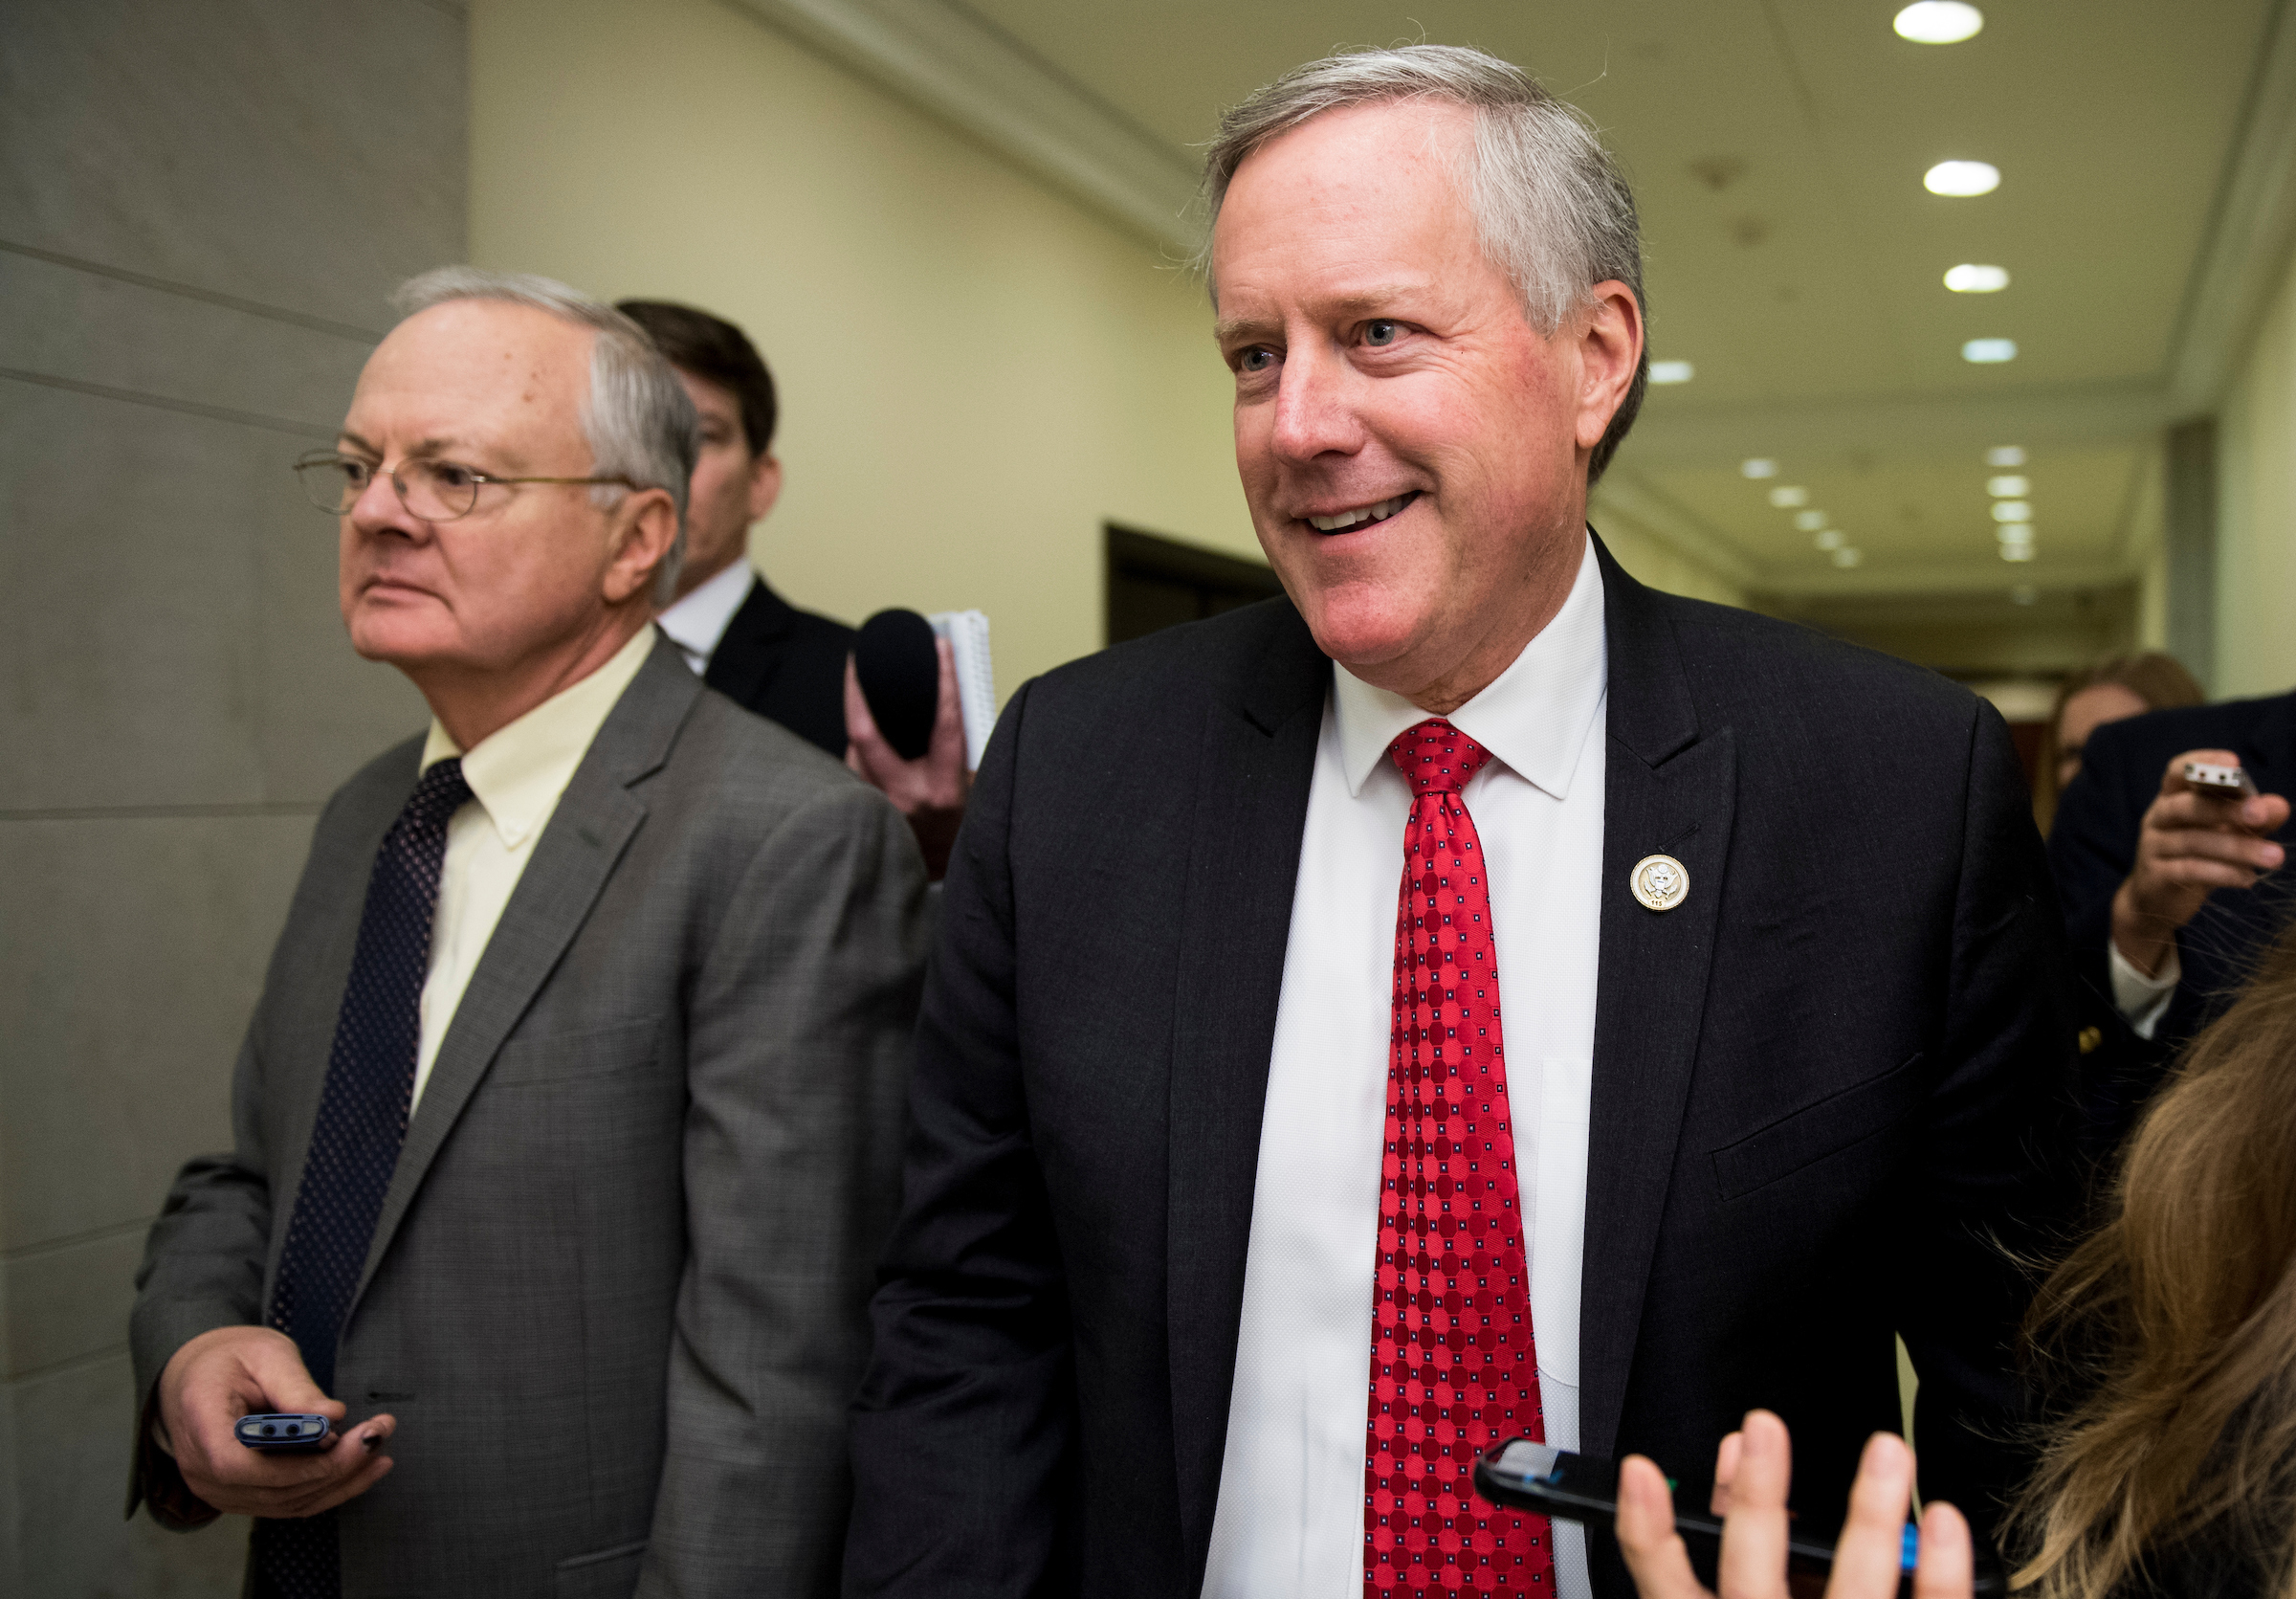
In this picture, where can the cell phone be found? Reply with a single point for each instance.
(2220, 782)
(284, 1430)
(1577, 1488)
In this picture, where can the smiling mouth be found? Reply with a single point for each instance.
(1362, 517)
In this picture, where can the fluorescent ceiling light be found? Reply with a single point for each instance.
(1759, 466)
(2007, 488)
(1831, 539)
(1809, 522)
(2012, 510)
(2015, 532)
(1988, 353)
(1939, 22)
(1970, 278)
(1787, 498)
(2016, 552)
(1671, 371)
(1848, 555)
(1962, 179)
(2006, 455)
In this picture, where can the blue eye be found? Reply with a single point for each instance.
(1255, 361)
(1382, 331)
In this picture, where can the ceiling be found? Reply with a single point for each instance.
(1794, 258)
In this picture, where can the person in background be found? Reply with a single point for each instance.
(744, 639)
(1235, 1222)
(2168, 895)
(2112, 690)
(566, 1128)
(2171, 1333)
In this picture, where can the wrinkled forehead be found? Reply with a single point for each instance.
(480, 369)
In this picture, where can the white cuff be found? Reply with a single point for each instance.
(2141, 1000)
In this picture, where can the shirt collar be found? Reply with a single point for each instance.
(1532, 716)
(697, 622)
(519, 771)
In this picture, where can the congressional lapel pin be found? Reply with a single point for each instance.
(1661, 883)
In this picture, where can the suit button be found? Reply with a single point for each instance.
(2088, 1038)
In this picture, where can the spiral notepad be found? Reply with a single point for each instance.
(967, 633)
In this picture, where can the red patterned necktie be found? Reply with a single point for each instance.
(1452, 1366)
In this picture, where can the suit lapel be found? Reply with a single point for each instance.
(1257, 759)
(750, 653)
(1671, 789)
(594, 822)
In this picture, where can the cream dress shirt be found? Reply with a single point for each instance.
(516, 776)
(696, 623)
(1290, 1520)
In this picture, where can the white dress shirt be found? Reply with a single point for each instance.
(517, 774)
(697, 622)
(1289, 1521)
(2141, 1000)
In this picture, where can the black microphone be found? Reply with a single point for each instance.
(899, 670)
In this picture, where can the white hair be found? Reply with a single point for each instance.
(1551, 208)
(638, 418)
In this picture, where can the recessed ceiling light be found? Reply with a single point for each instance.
(2007, 488)
(1832, 537)
(1809, 522)
(1988, 353)
(2016, 552)
(2012, 510)
(1787, 498)
(1970, 278)
(2015, 532)
(1962, 179)
(1759, 466)
(1848, 555)
(1939, 22)
(2006, 455)
(1671, 371)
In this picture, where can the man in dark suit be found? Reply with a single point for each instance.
(748, 643)
(2169, 895)
(566, 1128)
(1235, 1221)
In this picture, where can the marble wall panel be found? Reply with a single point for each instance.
(124, 1002)
(305, 157)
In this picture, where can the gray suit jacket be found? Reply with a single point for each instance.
(616, 1296)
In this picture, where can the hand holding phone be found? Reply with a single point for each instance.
(293, 1430)
(2218, 781)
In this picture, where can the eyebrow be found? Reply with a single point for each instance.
(427, 447)
(1356, 302)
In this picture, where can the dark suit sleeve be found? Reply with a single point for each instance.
(966, 1416)
(797, 1057)
(1991, 1184)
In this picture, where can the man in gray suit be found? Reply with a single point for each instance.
(566, 1127)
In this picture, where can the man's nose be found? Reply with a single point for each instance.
(1315, 414)
(379, 509)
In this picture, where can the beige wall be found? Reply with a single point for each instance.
(2256, 511)
(976, 371)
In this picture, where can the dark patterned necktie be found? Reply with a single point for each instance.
(355, 1142)
(1453, 1369)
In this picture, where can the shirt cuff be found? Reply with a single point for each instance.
(2141, 1000)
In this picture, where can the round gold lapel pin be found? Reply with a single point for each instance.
(1661, 883)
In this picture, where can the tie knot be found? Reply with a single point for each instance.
(439, 794)
(1437, 757)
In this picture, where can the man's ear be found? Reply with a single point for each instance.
(765, 485)
(645, 527)
(1610, 351)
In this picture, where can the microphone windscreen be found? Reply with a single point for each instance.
(899, 670)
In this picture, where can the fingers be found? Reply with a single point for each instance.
(258, 1482)
(1726, 1468)
(1870, 1554)
(1754, 1533)
(1948, 1568)
(1654, 1552)
(277, 1368)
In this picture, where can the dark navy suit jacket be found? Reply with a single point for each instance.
(786, 665)
(2092, 847)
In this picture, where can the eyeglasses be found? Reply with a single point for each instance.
(434, 490)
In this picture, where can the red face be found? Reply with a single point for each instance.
(532, 574)
(1413, 449)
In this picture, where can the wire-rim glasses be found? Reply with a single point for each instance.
(431, 489)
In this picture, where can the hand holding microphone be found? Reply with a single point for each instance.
(904, 727)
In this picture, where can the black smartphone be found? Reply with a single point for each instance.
(274, 1429)
(1555, 1482)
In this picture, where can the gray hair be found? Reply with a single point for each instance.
(638, 418)
(1550, 205)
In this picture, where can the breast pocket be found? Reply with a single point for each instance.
(1834, 1123)
(1559, 1225)
(628, 1047)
